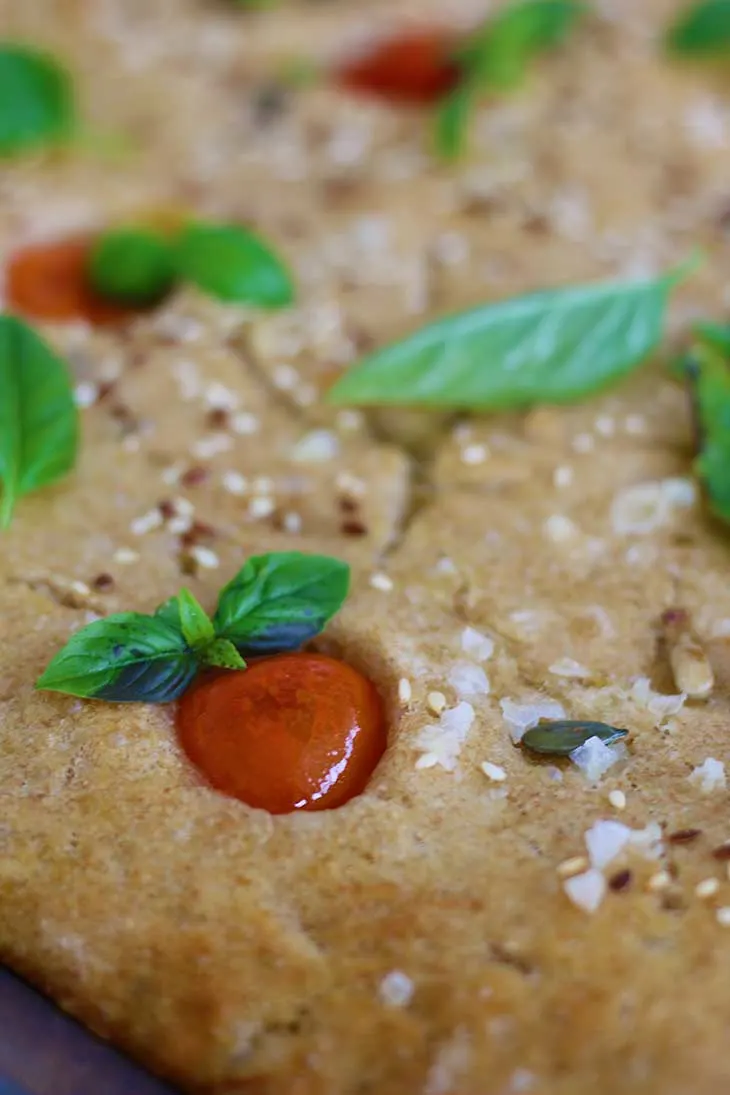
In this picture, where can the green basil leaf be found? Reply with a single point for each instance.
(169, 613)
(555, 346)
(279, 601)
(451, 121)
(126, 658)
(714, 334)
(702, 29)
(222, 654)
(36, 100)
(560, 738)
(499, 55)
(132, 265)
(195, 624)
(233, 264)
(709, 378)
(38, 416)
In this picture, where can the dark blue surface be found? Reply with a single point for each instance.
(44, 1052)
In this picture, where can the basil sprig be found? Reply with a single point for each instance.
(703, 29)
(497, 58)
(38, 416)
(707, 371)
(274, 604)
(554, 346)
(226, 261)
(37, 105)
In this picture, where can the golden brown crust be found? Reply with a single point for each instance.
(235, 952)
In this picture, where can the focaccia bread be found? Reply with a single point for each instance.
(428, 938)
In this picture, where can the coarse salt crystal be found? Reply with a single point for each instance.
(476, 644)
(648, 841)
(474, 454)
(396, 989)
(442, 744)
(85, 394)
(218, 396)
(234, 483)
(594, 757)
(659, 705)
(493, 772)
(404, 690)
(709, 776)
(206, 447)
(468, 680)
(648, 506)
(560, 529)
(707, 888)
(292, 521)
(521, 717)
(569, 667)
(723, 916)
(605, 425)
(586, 890)
(261, 506)
(285, 377)
(583, 442)
(605, 840)
(563, 476)
(316, 447)
(381, 581)
(244, 423)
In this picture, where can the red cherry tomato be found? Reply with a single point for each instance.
(49, 281)
(292, 732)
(415, 67)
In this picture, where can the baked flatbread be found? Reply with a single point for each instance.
(428, 937)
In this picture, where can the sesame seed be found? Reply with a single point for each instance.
(381, 581)
(583, 442)
(215, 443)
(204, 557)
(707, 888)
(722, 852)
(178, 525)
(436, 702)
(404, 690)
(575, 865)
(493, 772)
(292, 521)
(103, 582)
(146, 523)
(605, 425)
(684, 836)
(617, 799)
(353, 528)
(125, 556)
(85, 395)
(660, 880)
(194, 476)
(722, 916)
(635, 424)
(171, 475)
(285, 377)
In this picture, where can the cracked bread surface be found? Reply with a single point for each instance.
(419, 940)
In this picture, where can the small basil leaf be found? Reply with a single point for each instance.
(126, 658)
(279, 601)
(555, 346)
(452, 119)
(38, 416)
(233, 264)
(710, 387)
(559, 739)
(132, 265)
(703, 28)
(716, 335)
(169, 613)
(500, 54)
(36, 100)
(195, 625)
(221, 653)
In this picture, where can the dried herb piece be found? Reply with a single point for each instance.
(700, 30)
(559, 738)
(37, 105)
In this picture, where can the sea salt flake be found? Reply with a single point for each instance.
(521, 717)
(645, 507)
(442, 744)
(569, 667)
(316, 447)
(586, 890)
(476, 644)
(605, 840)
(709, 776)
(468, 680)
(396, 989)
(659, 705)
(594, 757)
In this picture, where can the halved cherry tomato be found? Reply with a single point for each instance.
(414, 67)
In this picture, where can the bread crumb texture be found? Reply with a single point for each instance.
(478, 922)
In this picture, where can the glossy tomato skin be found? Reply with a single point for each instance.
(415, 67)
(48, 281)
(293, 732)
